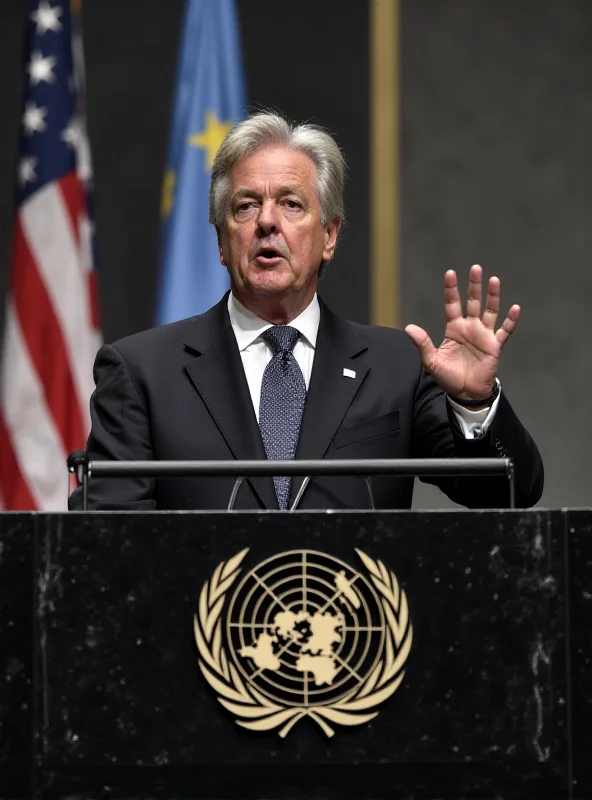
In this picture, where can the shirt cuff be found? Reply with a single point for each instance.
(474, 424)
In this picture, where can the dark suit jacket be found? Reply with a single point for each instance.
(179, 392)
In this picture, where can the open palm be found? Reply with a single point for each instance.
(466, 363)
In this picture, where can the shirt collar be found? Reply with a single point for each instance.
(248, 327)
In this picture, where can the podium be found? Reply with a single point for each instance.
(379, 654)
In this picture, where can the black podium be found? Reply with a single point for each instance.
(367, 655)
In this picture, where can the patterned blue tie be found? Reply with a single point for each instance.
(283, 394)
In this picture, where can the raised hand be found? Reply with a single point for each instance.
(466, 363)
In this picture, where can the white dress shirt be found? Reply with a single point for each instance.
(256, 353)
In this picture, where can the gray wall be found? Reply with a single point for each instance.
(496, 119)
(497, 170)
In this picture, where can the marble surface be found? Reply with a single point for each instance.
(16, 638)
(484, 692)
(122, 709)
(579, 537)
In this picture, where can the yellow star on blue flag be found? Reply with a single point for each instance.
(209, 100)
(211, 137)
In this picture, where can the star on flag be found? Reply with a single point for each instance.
(34, 118)
(211, 137)
(70, 133)
(46, 18)
(40, 69)
(26, 170)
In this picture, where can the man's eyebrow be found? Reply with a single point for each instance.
(240, 193)
(282, 191)
(292, 189)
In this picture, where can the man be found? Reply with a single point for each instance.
(272, 371)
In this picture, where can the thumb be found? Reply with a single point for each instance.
(423, 343)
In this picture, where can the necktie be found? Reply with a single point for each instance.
(283, 393)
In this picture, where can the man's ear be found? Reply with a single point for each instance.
(331, 233)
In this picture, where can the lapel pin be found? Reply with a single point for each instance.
(348, 373)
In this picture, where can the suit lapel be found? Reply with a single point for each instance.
(330, 392)
(216, 371)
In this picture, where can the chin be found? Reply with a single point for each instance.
(271, 284)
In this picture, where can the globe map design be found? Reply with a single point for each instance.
(304, 628)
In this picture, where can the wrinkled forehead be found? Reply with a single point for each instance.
(269, 168)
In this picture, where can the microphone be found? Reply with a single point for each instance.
(77, 463)
(306, 481)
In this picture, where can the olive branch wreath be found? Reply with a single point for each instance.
(255, 711)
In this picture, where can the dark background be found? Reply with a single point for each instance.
(496, 118)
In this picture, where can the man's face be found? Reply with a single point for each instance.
(273, 242)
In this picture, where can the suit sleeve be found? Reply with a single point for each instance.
(120, 431)
(437, 435)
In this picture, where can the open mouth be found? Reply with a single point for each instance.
(269, 256)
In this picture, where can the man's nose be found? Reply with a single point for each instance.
(268, 219)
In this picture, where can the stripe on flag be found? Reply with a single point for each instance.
(48, 230)
(35, 438)
(30, 295)
(51, 329)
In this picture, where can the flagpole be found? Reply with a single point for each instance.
(384, 163)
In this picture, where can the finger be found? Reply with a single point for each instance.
(474, 295)
(452, 303)
(492, 303)
(424, 344)
(508, 325)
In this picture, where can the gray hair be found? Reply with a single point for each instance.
(268, 129)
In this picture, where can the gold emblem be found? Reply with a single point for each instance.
(304, 635)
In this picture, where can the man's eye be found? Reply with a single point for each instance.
(293, 205)
(245, 208)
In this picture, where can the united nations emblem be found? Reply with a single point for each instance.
(303, 635)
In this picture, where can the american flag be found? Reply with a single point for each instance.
(51, 329)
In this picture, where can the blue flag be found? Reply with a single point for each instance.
(209, 100)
